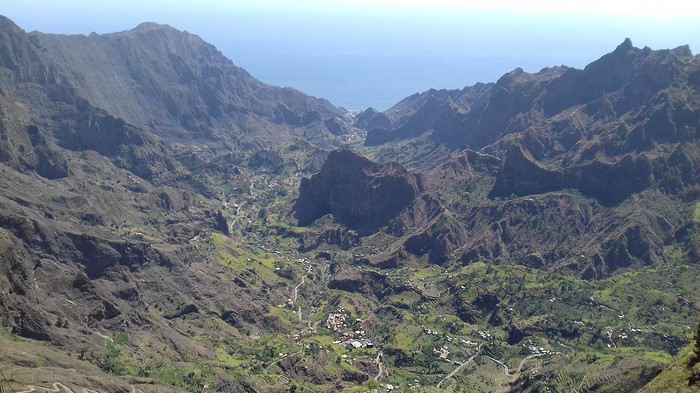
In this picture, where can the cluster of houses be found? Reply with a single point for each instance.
(538, 350)
(336, 320)
(352, 339)
(442, 353)
(430, 331)
(535, 350)
(355, 340)
(632, 332)
(414, 385)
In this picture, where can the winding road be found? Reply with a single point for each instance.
(295, 297)
(378, 360)
(506, 371)
(460, 367)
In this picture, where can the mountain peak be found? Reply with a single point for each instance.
(149, 26)
(683, 50)
(625, 45)
(6, 23)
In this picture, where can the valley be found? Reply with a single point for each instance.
(206, 232)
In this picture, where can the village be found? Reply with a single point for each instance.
(351, 339)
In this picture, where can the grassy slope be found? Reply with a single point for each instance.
(674, 378)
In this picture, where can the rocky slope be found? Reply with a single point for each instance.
(554, 230)
(680, 376)
(107, 219)
(546, 167)
(620, 82)
(179, 86)
(42, 113)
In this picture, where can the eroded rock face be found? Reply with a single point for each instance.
(427, 228)
(521, 174)
(60, 117)
(339, 236)
(32, 150)
(479, 115)
(439, 240)
(609, 182)
(359, 193)
(372, 119)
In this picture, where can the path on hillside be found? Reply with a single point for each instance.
(379, 361)
(295, 297)
(58, 387)
(507, 371)
(232, 226)
(295, 294)
(607, 307)
(97, 332)
(460, 367)
(285, 357)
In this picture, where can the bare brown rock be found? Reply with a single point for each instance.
(358, 192)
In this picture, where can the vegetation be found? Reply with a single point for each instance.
(117, 360)
(694, 378)
(676, 377)
(696, 348)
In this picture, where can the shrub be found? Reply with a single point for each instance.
(695, 357)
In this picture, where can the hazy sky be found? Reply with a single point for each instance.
(360, 53)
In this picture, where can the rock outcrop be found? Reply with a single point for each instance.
(521, 174)
(608, 182)
(359, 193)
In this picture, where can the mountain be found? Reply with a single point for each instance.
(41, 112)
(169, 223)
(179, 86)
(113, 155)
(359, 193)
(602, 161)
(617, 84)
